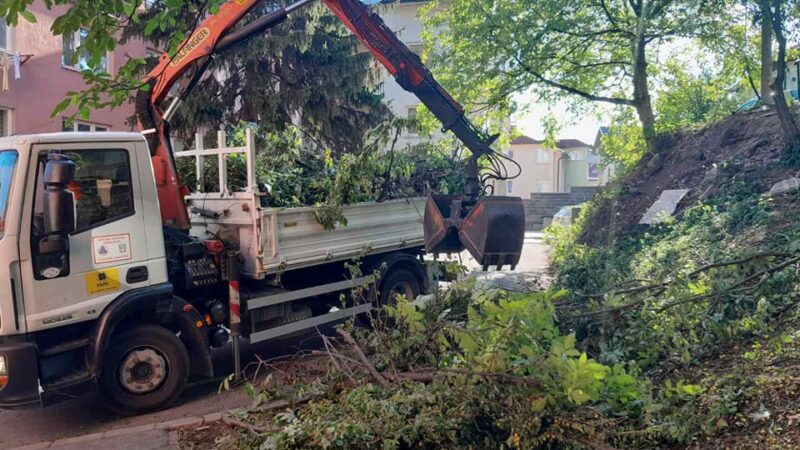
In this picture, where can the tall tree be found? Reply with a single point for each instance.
(774, 12)
(766, 51)
(306, 73)
(307, 70)
(590, 50)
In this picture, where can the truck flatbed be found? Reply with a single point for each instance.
(272, 240)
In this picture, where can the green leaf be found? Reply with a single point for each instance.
(539, 404)
(693, 389)
(150, 26)
(61, 106)
(27, 15)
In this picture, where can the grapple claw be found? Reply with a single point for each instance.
(492, 231)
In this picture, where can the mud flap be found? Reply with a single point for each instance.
(492, 231)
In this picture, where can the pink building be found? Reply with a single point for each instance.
(47, 74)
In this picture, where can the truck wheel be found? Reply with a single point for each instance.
(145, 369)
(399, 282)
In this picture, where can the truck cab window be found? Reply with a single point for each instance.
(102, 187)
(8, 162)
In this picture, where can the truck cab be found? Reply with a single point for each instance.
(47, 308)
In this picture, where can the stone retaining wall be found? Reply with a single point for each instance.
(541, 207)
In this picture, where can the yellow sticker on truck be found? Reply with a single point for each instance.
(105, 280)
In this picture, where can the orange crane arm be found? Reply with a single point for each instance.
(187, 66)
(213, 36)
(451, 223)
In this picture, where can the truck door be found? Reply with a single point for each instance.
(108, 250)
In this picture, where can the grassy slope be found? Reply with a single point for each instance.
(736, 344)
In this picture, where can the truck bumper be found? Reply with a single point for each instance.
(22, 389)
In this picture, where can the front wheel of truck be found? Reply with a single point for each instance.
(145, 369)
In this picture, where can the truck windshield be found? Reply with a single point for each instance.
(8, 162)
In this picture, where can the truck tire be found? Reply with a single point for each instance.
(145, 369)
(399, 281)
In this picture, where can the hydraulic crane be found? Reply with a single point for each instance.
(491, 228)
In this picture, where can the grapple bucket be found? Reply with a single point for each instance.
(493, 230)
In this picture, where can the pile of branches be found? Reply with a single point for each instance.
(295, 175)
(469, 369)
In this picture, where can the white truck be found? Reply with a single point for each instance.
(110, 298)
(110, 273)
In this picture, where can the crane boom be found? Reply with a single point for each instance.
(452, 223)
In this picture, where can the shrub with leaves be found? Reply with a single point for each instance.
(471, 369)
(665, 298)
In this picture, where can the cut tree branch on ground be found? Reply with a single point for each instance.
(740, 286)
(692, 274)
(427, 376)
(503, 378)
(380, 379)
(246, 426)
(659, 288)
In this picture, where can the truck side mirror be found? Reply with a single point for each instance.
(59, 203)
(51, 258)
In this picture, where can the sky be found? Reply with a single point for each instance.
(529, 122)
(584, 126)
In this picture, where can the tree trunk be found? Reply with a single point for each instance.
(641, 92)
(788, 124)
(766, 52)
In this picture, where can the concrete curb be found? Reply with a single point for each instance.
(171, 427)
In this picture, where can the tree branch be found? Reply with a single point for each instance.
(382, 381)
(572, 90)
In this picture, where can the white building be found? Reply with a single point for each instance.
(401, 16)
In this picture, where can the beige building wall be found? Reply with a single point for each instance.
(572, 164)
(540, 169)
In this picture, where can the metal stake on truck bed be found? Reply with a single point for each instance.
(234, 306)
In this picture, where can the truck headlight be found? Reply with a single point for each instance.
(3, 372)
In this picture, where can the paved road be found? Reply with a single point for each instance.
(84, 415)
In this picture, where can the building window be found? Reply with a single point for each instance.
(77, 125)
(509, 186)
(5, 122)
(542, 186)
(576, 156)
(593, 171)
(411, 116)
(542, 156)
(5, 35)
(76, 57)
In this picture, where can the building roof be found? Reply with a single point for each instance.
(571, 143)
(598, 140)
(525, 140)
(562, 144)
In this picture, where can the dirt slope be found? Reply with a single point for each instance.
(693, 160)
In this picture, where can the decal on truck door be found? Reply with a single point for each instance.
(111, 248)
(102, 281)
